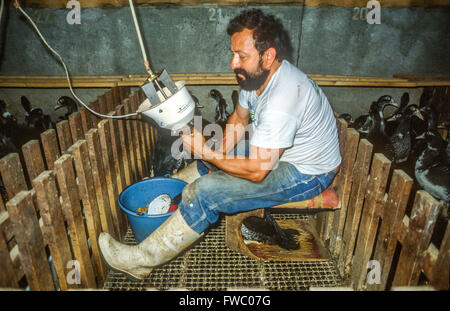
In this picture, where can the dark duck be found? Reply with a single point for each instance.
(367, 122)
(432, 169)
(266, 230)
(221, 115)
(35, 117)
(377, 125)
(69, 104)
(399, 143)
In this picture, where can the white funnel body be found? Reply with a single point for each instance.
(175, 112)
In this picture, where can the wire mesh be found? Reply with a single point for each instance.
(211, 265)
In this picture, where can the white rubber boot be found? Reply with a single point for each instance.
(189, 173)
(162, 245)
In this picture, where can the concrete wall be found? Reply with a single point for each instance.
(327, 40)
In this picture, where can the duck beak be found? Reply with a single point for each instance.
(421, 136)
(419, 115)
(394, 104)
(57, 106)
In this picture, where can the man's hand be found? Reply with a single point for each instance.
(195, 143)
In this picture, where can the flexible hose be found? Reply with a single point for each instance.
(17, 5)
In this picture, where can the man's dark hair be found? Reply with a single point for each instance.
(268, 32)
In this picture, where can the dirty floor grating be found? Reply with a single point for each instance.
(210, 265)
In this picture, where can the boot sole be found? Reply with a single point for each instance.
(129, 276)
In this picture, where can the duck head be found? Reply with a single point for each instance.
(215, 94)
(69, 103)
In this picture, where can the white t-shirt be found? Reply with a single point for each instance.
(293, 113)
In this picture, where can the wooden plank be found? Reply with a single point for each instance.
(421, 224)
(79, 151)
(54, 229)
(94, 119)
(2, 205)
(354, 208)
(72, 210)
(7, 277)
(109, 97)
(435, 265)
(373, 205)
(399, 191)
(85, 120)
(344, 187)
(101, 105)
(441, 271)
(64, 135)
(61, 4)
(342, 132)
(110, 175)
(130, 141)
(104, 206)
(135, 135)
(76, 127)
(50, 147)
(144, 150)
(12, 175)
(125, 147)
(30, 241)
(116, 147)
(146, 128)
(34, 163)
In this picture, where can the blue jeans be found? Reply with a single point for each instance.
(218, 192)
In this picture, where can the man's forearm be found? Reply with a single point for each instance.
(234, 131)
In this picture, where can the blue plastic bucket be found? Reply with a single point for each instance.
(139, 195)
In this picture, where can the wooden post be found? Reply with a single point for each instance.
(101, 104)
(388, 236)
(110, 174)
(72, 211)
(53, 226)
(341, 125)
(94, 119)
(109, 101)
(142, 140)
(85, 120)
(30, 242)
(104, 206)
(76, 127)
(372, 210)
(130, 141)
(125, 147)
(440, 271)
(420, 229)
(64, 135)
(117, 153)
(50, 146)
(354, 208)
(7, 277)
(137, 145)
(344, 186)
(32, 155)
(12, 175)
(83, 169)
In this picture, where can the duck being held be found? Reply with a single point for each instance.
(432, 169)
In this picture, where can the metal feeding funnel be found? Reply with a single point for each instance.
(172, 107)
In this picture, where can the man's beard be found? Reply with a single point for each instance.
(252, 81)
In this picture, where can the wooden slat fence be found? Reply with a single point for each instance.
(376, 243)
(62, 192)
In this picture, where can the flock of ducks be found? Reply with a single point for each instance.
(409, 137)
(14, 134)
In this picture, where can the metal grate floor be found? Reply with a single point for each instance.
(210, 265)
